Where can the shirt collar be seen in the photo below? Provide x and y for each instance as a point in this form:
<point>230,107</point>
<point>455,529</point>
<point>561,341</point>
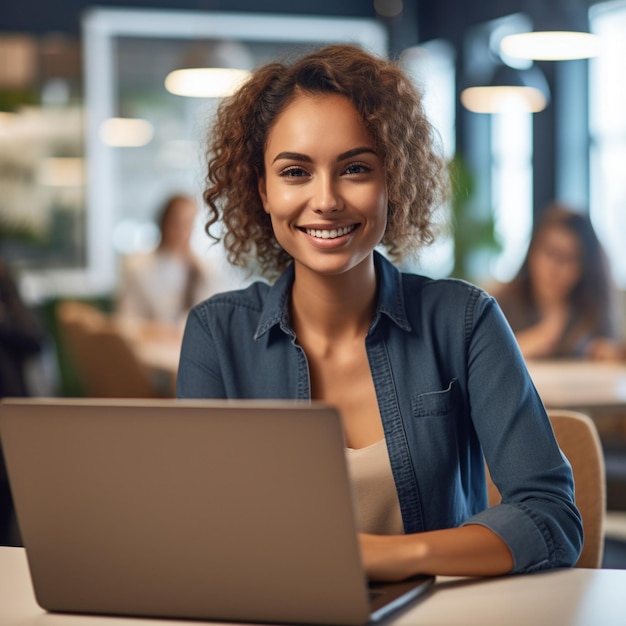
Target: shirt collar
<point>390,299</point>
<point>390,293</point>
<point>276,308</point>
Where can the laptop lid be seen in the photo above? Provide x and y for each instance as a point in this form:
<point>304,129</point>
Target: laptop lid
<point>221,510</point>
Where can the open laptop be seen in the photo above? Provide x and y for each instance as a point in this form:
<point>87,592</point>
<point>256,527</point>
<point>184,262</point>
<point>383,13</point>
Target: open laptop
<point>200,509</point>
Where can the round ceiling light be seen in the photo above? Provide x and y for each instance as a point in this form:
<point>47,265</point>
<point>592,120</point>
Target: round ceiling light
<point>551,45</point>
<point>205,82</point>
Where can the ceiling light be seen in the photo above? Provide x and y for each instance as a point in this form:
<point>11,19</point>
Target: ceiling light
<point>509,88</point>
<point>126,132</point>
<point>388,8</point>
<point>205,82</point>
<point>556,45</point>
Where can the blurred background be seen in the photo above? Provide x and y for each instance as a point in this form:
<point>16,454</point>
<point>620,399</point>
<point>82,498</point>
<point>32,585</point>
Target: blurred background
<point>91,140</point>
<point>99,132</point>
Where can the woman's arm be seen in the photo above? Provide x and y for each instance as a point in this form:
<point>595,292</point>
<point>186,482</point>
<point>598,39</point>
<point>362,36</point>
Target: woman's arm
<point>537,525</point>
<point>471,550</point>
<point>537,517</point>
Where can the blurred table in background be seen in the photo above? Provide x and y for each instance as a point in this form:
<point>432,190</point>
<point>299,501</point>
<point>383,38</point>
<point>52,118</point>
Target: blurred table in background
<point>580,384</point>
<point>160,358</point>
<point>597,388</point>
<point>157,348</point>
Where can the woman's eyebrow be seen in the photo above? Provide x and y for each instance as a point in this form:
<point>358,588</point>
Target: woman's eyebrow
<point>355,152</point>
<point>297,156</point>
<point>292,156</point>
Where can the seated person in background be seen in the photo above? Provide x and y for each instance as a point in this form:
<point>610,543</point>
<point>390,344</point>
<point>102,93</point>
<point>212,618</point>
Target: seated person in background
<point>562,301</point>
<point>21,338</point>
<point>161,286</point>
<point>313,165</point>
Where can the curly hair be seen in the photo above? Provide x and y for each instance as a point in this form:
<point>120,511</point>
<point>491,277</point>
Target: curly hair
<point>392,111</point>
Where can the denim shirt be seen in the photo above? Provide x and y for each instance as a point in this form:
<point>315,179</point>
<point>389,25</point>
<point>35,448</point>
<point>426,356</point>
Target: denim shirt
<point>451,385</point>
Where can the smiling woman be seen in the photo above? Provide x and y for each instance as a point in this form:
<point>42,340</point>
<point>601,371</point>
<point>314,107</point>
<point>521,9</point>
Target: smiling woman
<point>415,187</point>
<point>314,165</point>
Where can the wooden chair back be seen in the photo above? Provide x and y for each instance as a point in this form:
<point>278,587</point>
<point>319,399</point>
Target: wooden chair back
<point>104,358</point>
<point>578,438</point>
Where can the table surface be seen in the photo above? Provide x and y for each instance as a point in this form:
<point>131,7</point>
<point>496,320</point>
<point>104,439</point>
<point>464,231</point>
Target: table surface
<point>579,383</point>
<point>576,597</point>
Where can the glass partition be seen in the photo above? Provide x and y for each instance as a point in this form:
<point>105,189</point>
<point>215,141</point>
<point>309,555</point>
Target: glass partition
<point>158,150</point>
<point>84,174</point>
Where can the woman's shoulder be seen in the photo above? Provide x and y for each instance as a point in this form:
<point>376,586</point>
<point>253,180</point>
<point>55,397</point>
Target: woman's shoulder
<point>445,287</point>
<point>445,302</point>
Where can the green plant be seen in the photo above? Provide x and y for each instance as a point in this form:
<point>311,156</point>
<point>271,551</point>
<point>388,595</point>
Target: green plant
<point>18,231</point>
<point>473,230</point>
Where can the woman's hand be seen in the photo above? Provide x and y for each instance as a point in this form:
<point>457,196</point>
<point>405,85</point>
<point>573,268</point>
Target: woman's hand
<point>471,550</point>
<point>543,338</point>
<point>602,349</point>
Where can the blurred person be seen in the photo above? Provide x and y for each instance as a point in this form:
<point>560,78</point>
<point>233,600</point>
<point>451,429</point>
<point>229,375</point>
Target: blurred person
<point>161,286</point>
<point>21,339</point>
<point>562,301</point>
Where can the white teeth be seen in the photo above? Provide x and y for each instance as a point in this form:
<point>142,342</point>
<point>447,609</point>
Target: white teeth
<point>329,234</point>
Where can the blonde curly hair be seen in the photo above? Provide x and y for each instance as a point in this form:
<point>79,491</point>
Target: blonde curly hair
<point>392,111</point>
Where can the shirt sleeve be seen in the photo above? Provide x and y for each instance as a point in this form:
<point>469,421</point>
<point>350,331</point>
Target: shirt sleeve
<point>537,517</point>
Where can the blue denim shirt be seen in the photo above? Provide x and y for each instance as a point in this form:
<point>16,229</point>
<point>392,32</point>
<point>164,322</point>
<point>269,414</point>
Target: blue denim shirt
<point>451,386</point>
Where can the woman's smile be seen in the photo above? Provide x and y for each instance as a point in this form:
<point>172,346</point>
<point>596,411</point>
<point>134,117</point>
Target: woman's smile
<point>328,237</point>
<point>326,233</point>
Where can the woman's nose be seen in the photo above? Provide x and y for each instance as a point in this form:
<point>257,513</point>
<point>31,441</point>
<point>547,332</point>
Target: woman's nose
<point>326,198</point>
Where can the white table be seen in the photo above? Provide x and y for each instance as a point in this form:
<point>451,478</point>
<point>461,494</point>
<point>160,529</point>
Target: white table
<point>577,597</point>
<point>597,388</point>
<point>580,383</point>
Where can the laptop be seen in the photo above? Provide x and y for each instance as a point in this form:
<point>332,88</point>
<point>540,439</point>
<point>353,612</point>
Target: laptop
<point>200,509</point>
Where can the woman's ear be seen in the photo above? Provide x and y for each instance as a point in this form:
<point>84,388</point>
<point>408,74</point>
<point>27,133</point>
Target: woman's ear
<point>261,186</point>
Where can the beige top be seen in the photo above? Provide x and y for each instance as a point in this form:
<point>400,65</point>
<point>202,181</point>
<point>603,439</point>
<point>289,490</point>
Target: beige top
<point>376,499</point>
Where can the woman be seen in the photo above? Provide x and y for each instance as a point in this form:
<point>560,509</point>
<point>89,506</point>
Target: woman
<point>561,303</point>
<point>313,164</point>
<point>163,285</point>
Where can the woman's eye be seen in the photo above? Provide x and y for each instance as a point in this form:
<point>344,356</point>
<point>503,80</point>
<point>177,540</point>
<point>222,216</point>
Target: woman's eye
<point>294,172</point>
<point>357,168</point>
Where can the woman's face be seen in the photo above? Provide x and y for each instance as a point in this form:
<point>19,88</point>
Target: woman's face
<point>178,225</point>
<point>324,186</point>
<point>555,264</point>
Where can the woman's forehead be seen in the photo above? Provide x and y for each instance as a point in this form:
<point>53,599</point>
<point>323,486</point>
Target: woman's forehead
<point>311,119</point>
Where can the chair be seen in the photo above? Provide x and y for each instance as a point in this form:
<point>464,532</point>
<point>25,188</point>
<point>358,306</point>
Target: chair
<point>74,320</point>
<point>578,438</point>
<point>106,362</point>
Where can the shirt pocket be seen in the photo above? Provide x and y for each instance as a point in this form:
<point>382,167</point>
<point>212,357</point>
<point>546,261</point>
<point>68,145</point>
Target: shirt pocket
<point>436,403</point>
<point>439,445</point>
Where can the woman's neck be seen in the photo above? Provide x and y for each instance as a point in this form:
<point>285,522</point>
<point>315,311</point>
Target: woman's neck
<point>330,306</point>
